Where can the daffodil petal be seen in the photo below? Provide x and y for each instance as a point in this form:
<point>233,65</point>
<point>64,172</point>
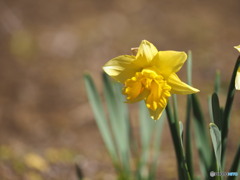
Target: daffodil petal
<point>121,68</point>
<point>140,97</point>
<point>146,53</point>
<point>237,47</point>
<point>237,80</point>
<point>156,114</point>
<point>179,87</point>
<point>169,62</point>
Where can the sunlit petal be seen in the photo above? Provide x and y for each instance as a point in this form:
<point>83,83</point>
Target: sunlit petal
<point>146,53</point>
<point>121,68</point>
<point>169,62</point>
<point>157,113</point>
<point>237,80</point>
<point>140,97</point>
<point>237,47</point>
<point>179,87</point>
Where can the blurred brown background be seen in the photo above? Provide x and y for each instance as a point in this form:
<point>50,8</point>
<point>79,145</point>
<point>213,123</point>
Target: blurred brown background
<point>46,46</point>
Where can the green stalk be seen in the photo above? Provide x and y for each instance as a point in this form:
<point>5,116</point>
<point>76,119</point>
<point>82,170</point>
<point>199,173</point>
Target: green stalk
<point>188,144</point>
<point>188,137</point>
<point>183,173</point>
<point>100,118</point>
<point>202,140</point>
<point>227,110</point>
<point>175,105</point>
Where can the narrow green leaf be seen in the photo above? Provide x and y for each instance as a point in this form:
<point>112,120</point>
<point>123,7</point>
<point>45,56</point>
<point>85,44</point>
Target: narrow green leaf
<point>235,165</point>
<point>210,108</point>
<point>175,107</point>
<point>176,140</point>
<point>146,129</point>
<point>202,141</point>
<point>117,121</point>
<point>217,143</point>
<point>150,130</point>
<point>101,120</point>
<point>158,130</point>
<point>188,143</point>
<point>228,107</point>
<point>146,126</point>
<point>217,114</point>
<point>183,172</point>
<point>180,129</point>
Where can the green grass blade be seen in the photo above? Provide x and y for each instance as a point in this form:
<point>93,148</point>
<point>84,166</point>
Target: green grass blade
<point>117,121</point>
<point>228,107</point>
<point>175,138</point>
<point>146,129</point>
<point>101,120</point>
<point>235,165</point>
<point>125,121</point>
<point>210,109</point>
<point>217,143</point>
<point>202,141</point>
<point>175,107</point>
<point>150,130</point>
<point>146,126</point>
<point>217,114</point>
<point>158,129</point>
<point>181,132</point>
<point>174,129</point>
<point>188,143</point>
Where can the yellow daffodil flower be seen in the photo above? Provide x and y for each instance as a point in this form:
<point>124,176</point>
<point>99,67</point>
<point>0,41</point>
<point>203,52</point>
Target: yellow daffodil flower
<point>237,80</point>
<point>237,47</point>
<point>150,76</point>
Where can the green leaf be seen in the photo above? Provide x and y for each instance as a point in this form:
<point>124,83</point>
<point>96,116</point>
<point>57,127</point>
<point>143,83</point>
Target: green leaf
<point>210,108</point>
<point>183,172</point>
<point>188,143</point>
<point>217,143</point>
<point>180,129</point>
<point>146,129</point>
<point>235,165</point>
<point>101,120</point>
<point>150,130</point>
<point>158,129</point>
<point>146,126</point>
<point>181,132</point>
<point>118,121</point>
<point>217,114</point>
<point>175,107</point>
<point>202,141</point>
<point>228,107</point>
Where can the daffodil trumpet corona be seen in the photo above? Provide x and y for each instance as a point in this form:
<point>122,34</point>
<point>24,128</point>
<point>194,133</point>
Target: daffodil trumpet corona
<point>149,75</point>
<point>237,79</point>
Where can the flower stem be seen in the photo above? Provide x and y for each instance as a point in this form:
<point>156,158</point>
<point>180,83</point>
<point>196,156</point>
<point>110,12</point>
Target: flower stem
<point>183,172</point>
<point>227,110</point>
